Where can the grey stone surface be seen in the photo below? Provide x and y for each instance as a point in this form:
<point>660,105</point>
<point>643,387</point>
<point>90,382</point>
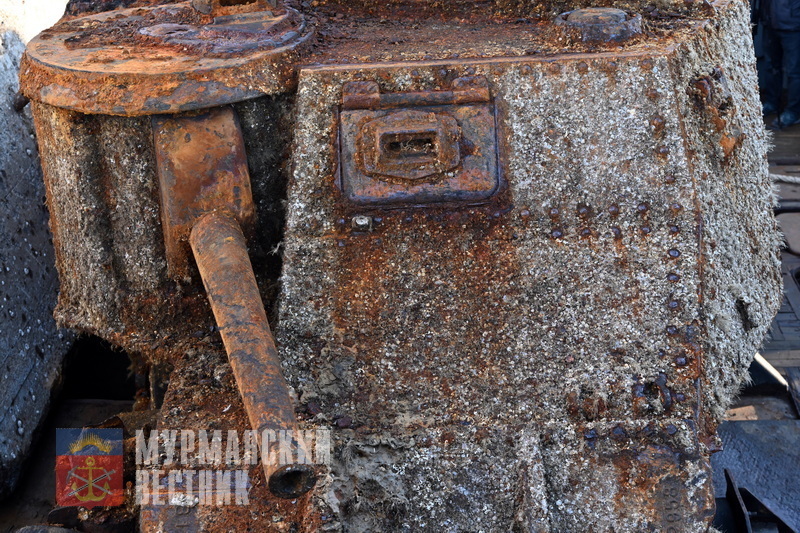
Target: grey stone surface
<point>31,347</point>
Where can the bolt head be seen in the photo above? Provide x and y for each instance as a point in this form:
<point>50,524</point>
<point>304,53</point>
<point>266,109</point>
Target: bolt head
<point>361,223</point>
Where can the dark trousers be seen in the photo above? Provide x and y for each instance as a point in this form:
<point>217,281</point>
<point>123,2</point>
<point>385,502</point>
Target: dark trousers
<point>781,59</point>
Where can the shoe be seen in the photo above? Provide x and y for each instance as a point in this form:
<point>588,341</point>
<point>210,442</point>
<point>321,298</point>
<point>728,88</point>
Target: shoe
<point>788,118</point>
<point>768,109</point>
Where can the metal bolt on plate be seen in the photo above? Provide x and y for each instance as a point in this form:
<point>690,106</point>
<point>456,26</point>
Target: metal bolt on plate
<point>361,223</point>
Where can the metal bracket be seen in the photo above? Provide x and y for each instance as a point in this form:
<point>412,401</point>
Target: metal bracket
<point>418,147</point>
<point>367,95</point>
<point>409,145</point>
<point>205,202</point>
<point>202,167</point>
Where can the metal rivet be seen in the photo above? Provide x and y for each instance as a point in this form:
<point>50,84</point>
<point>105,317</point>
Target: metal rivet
<point>657,122</point>
<point>361,223</point>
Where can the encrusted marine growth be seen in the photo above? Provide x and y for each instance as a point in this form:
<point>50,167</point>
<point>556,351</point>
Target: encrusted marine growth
<point>527,250</point>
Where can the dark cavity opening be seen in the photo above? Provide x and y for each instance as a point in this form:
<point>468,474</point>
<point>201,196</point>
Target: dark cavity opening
<point>227,3</point>
<point>742,309</point>
<point>409,145</point>
<point>93,369</point>
<point>292,481</point>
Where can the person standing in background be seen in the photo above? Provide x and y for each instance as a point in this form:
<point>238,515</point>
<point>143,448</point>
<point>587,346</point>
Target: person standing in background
<point>780,26</point>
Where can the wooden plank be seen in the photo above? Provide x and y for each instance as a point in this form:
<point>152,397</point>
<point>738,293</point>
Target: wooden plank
<point>786,146</point>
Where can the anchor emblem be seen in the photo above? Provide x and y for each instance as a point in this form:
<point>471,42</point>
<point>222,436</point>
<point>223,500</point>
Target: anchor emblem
<point>90,481</point>
<point>89,467</point>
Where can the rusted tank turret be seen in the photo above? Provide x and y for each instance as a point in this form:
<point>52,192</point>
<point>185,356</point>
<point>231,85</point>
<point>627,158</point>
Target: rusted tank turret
<point>527,249</point>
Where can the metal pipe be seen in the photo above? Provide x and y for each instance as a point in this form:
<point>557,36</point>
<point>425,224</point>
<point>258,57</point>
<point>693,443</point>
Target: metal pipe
<point>220,250</point>
<point>787,206</point>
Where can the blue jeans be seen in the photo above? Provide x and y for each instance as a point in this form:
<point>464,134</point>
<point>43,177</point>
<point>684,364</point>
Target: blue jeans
<point>781,59</point>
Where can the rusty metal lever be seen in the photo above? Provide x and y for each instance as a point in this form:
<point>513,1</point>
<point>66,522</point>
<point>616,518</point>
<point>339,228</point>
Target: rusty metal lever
<point>206,199</point>
<point>221,253</point>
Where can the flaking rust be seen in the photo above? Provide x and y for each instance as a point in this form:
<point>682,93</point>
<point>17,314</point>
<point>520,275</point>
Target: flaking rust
<point>202,168</point>
<point>220,249</point>
<point>528,249</point>
<point>205,202</point>
<point>581,311</point>
<point>164,58</point>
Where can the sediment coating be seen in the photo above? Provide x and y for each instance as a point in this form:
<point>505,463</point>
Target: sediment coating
<point>560,354</point>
